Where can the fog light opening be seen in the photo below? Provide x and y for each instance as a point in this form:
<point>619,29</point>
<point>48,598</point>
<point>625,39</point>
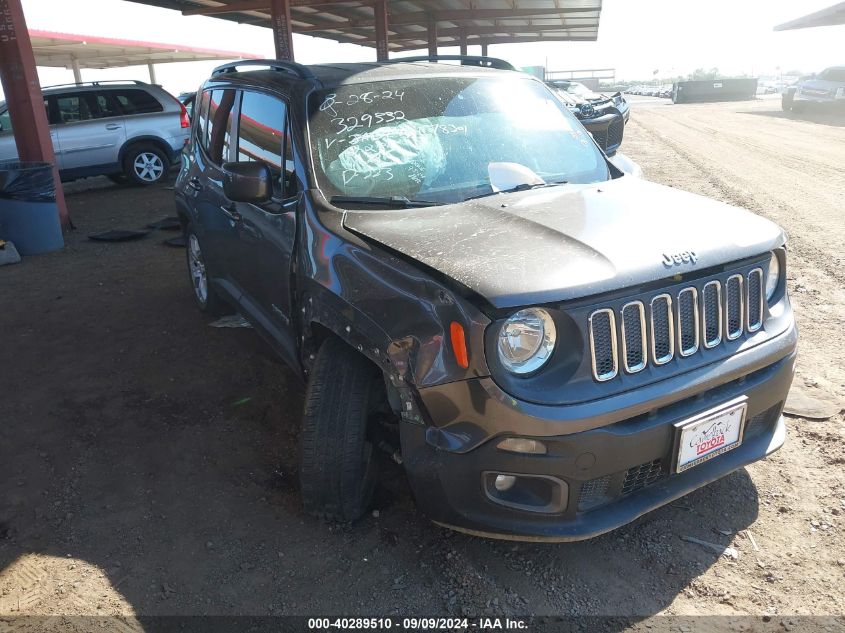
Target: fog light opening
<point>533,493</point>
<point>504,482</point>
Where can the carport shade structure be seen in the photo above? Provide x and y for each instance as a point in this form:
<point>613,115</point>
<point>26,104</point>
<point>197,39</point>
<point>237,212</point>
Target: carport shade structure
<point>77,52</point>
<point>826,17</point>
<point>405,25</point>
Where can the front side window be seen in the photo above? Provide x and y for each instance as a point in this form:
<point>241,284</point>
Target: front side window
<point>5,122</point>
<point>261,134</point>
<point>72,108</point>
<point>443,139</point>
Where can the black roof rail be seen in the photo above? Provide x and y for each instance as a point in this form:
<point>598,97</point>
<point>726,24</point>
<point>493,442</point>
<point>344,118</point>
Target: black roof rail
<point>466,60</point>
<point>298,70</point>
<point>82,84</point>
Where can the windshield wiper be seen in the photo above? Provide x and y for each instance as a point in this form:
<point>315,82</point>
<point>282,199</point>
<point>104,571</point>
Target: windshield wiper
<point>397,202</point>
<point>521,187</point>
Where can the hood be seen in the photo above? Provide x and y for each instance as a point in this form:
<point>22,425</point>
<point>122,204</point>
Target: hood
<point>560,243</point>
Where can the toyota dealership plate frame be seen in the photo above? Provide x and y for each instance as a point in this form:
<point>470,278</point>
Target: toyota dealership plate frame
<point>709,434</point>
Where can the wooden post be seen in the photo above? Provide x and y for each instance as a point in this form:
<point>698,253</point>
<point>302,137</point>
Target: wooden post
<point>152,70</point>
<point>380,10</point>
<point>23,96</point>
<point>77,73</point>
<point>463,41</point>
<point>432,36</point>
<point>282,29</point>
<point>484,49</point>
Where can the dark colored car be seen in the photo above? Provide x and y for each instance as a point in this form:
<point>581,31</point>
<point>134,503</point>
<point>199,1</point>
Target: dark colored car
<point>827,89</point>
<point>550,347</point>
<point>602,119</point>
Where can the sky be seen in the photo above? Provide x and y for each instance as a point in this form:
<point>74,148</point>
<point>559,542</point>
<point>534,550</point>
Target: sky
<point>636,38</point>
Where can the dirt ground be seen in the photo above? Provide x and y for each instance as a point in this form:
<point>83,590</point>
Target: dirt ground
<point>147,460</point>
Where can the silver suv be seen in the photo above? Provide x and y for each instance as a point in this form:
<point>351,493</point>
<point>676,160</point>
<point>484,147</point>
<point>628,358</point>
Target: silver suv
<point>124,130</point>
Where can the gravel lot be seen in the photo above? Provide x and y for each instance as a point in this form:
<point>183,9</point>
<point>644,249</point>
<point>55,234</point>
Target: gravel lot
<point>147,461</point>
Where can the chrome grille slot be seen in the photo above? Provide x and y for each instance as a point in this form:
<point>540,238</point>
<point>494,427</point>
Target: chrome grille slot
<point>754,301</point>
<point>603,344</point>
<point>711,315</point>
<point>688,321</point>
<point>662,330</point>
<point>634,349</point>
<point>733,307</point>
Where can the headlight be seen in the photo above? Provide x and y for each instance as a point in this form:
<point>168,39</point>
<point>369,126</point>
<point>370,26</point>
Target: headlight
<point>772,277</point>
<point>526,341</point>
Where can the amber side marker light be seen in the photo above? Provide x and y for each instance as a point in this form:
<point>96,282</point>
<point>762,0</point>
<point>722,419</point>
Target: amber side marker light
<point>459,344</point>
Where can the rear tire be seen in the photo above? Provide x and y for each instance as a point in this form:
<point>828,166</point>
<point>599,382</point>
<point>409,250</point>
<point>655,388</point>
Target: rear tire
<point>207,300</point>
<point>786,102</point>
<point>145,164</point>
<point>338,469</point>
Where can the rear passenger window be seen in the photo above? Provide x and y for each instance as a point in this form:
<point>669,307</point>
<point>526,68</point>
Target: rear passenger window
<point>135,101</point>
<point>261,134</point>
<point>202,118</point>
<point>107,106</point>
<point>72,108</point>
<point>215,138</point>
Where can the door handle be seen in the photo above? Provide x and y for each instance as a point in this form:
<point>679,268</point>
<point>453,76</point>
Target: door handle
<point>112,126</point>
<point>231,213</point>
<point>194,183</point>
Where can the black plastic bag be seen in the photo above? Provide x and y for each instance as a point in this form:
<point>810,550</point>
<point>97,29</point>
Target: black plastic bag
<point>27,181</point>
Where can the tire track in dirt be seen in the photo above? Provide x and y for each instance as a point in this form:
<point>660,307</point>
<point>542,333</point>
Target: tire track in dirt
<point>798,244</point>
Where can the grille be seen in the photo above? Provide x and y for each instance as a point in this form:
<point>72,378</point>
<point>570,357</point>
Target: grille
<point>711,316</point>
<point>662,334</point>
<point>754,300</point>
<point>615,132</point>
<point>603,344</point>
<point>593,492</point>
<point>673,325</point>
<point>762,421</point>
<point>638,477</point>
<point>733,307</point>
<point>688,321</point>
<point>634,351</point>
<point>601,138</point>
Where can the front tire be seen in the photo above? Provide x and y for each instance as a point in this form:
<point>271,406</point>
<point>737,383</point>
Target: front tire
<point>338,468</point>
<point>786,102</point>
<point>145,164</point>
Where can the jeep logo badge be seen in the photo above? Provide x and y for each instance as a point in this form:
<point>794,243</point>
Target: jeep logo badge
<point>687,257</point>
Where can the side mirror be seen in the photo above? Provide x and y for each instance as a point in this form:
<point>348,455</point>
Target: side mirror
<point>247,182</point>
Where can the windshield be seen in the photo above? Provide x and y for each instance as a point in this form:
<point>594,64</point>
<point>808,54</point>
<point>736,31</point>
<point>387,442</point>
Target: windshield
<point>440,139</point>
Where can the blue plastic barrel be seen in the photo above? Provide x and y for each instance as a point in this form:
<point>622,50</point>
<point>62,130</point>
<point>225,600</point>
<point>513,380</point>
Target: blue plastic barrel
<point>29,216</point>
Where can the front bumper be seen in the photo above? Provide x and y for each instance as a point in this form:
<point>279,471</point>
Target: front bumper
<point>612,473</point>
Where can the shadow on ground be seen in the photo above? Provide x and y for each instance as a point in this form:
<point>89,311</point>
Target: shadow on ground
<point>820,117</point>
<point>139,440</point>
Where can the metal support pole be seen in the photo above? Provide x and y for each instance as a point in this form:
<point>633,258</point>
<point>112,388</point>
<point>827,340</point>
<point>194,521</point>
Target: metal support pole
<point>23,95</point>
<point>282,29</point>
<point>463,42</point>
<point>380,10</point>
<point>484,49</point>
<point>152,68</point>
<point>432,36</point>
<point>77,74</point>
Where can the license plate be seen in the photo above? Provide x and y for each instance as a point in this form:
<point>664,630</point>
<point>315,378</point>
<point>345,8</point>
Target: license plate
<point>710,434</point>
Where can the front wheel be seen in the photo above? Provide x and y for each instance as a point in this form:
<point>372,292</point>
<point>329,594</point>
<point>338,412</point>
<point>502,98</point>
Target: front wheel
<point>786,102</point>
<point>145,164</point>
<point>337,463</point>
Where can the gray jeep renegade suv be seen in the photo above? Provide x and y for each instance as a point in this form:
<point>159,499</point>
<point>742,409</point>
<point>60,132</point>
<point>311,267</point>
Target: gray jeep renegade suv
<point>550,347</point>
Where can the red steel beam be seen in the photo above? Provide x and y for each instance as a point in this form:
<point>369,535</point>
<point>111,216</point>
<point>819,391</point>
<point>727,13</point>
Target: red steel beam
<point>431,32</point>
<point>282,33</point>
<point>380,11</point>
<point>23,96</point>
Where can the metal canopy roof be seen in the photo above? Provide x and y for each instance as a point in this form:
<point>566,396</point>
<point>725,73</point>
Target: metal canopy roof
<point>478,21</point>
<point>825,17</point>
<point>65,49</point>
